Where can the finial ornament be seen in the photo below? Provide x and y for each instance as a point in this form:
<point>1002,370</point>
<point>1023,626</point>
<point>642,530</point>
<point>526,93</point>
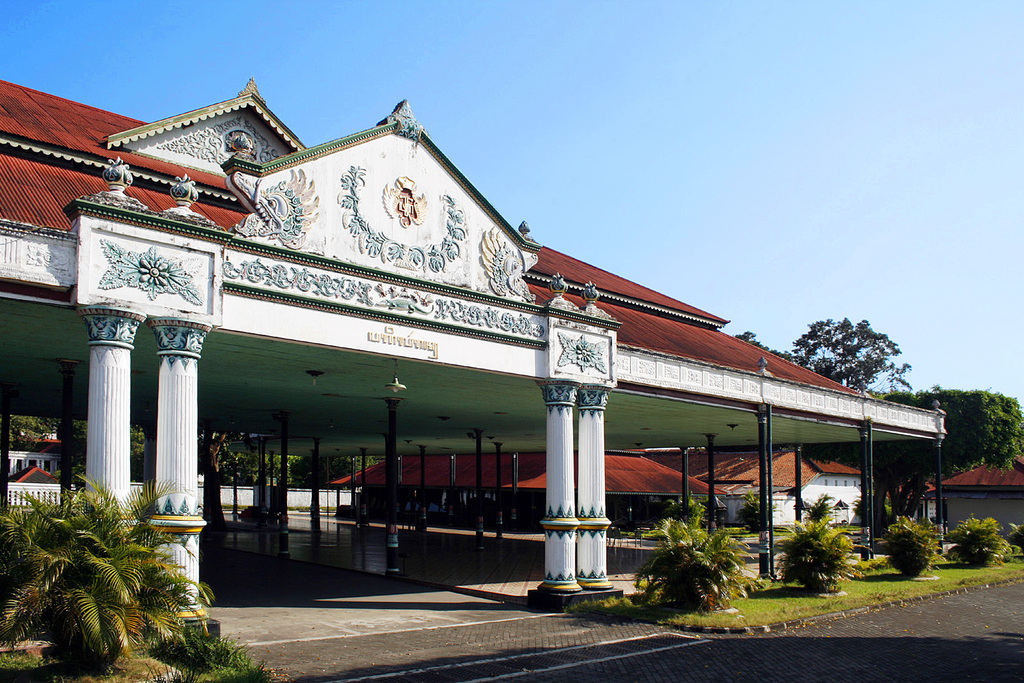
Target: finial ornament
<point>118,175</point>
<point>184,191</point>
<point>558,287</point>
<point>408,126</point>
<point>251,89</point>
<point>590,293</point>
<point>524,230</point>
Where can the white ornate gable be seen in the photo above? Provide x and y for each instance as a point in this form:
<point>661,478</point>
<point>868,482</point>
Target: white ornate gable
<point>386,202</point>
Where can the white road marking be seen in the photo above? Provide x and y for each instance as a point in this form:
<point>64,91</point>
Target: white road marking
<point>403,630</point>
<point>690,640</point>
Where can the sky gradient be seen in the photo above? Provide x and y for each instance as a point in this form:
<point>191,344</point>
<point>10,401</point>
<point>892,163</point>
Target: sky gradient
<point>772,163</point>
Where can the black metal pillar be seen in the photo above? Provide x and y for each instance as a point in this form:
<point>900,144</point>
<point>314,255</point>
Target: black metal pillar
<point>712,501</point>
<point>364,510</point>
<point>684,490</point>
<point>352,507</point>
<point>798,475</point>
<point>771,492</point>
<point>763,565</point>
<point>8,394</point>
<point>314,503</point>
<point>282,486</point>
<point>234,489</point>
<point>421,525</point>
<point>451,491</point>
<point>479,488</point>
<point>875,512</point>
<point>498,521</point>
<point>940,514</point>
<point>391,481</point>
<point>261,482</point>
<point>67,422</point>
<point>865,494</point>
<point>515,491</point>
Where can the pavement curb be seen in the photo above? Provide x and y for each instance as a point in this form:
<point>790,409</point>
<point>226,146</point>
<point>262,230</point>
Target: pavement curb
<point>842,614</point>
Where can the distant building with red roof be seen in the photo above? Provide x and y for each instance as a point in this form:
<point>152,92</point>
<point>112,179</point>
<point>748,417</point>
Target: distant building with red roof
<point>986,492</point>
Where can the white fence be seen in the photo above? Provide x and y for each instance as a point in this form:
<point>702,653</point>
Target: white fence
<point>297,498</point>
<point>17,494</point>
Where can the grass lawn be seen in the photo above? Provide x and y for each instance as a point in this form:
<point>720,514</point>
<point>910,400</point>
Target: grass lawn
<point>28,667</point>
<point>779,602</point>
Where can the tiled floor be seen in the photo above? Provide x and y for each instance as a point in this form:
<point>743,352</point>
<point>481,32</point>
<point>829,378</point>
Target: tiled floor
<point>506,569</point>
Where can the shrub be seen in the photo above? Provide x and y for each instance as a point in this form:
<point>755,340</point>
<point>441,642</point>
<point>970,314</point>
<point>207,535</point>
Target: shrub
<point>818,557</point>
<point>750,512</point>
<point>675,509</point>
<point>820,510</point>
<point>92,573</point>
<point>978,542</point>
<point>195,653</point>
<point>913,546</point>
<point>1016,536</point>
<point>693,567</point>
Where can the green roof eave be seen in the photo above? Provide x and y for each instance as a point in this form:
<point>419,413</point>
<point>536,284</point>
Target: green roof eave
<point>241,102</point>
<point>84,207</point>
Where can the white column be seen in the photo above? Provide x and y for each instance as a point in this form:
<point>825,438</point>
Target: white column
<point>591,548</point>
<point>559,521</point>
<point>179,344</point>
<point>108,444</point>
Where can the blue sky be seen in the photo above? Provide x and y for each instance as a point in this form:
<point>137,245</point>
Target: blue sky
<point>772,163</point>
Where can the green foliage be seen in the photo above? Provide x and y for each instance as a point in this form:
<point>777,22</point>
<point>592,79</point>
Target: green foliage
<point>913,547</point>
<point>820,510</point>
<point>92,573</point>
<point>1016,536</point>
<point>751,338</point>
<point>978,542</point>
<point>195,653</point>
<point>853,355</point>
<point>693,567</point>
<point>818,557</point>
<point>675,510</point>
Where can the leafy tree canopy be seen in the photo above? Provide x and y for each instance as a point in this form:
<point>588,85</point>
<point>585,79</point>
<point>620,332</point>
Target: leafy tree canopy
<point>853,355</point>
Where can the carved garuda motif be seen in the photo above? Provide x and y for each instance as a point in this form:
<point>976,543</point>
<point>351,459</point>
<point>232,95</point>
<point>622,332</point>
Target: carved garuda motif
<point>284,211</point>
<point>401,202</point>
<point>504,266</point>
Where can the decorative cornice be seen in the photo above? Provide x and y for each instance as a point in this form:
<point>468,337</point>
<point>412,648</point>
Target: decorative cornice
<point>343,309</point>
<point>287,161</point>
<point>99,206</point>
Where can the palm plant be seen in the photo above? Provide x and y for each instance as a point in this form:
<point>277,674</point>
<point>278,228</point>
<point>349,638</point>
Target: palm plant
<point>978,542</point>
<point>913,546</point>
<point>818,557</point>
<point>694,567</point>
<point>1016,536</point>
<point>820,509</point>
<point>92,574</point>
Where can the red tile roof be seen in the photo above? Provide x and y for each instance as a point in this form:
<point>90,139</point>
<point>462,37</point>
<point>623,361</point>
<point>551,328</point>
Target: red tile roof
<point>742,468</point>
<point>623,474</point>
<point>989,476</point>
<point>32,475</point>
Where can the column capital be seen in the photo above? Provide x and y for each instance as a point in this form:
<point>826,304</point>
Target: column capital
<point>67,366</point>
<point>592,397</point>
<point>558,392</point>
<point>110,326</point>
<point>178,337</point>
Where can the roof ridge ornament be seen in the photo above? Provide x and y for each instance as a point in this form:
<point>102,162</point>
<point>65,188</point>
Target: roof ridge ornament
<point>408,125</point>
<point>118,175</point>
<point>524,230</point>
<point>185,193</point>
<point>251,89</point>
<point>591,295</point>
<point>558,287</point>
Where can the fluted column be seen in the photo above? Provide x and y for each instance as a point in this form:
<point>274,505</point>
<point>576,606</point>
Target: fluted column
<point>108,445</point>
<point>559,521</point>
<point>179,343</point>
<point>591,548</point>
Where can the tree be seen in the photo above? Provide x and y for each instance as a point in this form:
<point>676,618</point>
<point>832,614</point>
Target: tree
<point>853,355</point>
<point>984,428</point>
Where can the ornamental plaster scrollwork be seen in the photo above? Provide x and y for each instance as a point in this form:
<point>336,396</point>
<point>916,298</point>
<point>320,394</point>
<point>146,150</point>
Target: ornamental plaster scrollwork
<point>504,266</point>
<point>284,211</point>
<point>378,245</point>
<point>581,353</point>
<point>149,271</point>
<point>215,144</point>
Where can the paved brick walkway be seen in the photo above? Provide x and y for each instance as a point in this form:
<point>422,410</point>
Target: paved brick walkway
<point>316,623</point>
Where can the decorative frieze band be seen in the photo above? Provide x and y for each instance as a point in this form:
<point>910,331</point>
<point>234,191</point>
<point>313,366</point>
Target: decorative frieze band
<point>316,283</point>
<point>660,370</point>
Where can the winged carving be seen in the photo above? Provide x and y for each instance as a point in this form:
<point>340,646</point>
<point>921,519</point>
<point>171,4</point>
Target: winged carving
<point>284,211</point>
<point>504,266</point>
<point>401,202</point>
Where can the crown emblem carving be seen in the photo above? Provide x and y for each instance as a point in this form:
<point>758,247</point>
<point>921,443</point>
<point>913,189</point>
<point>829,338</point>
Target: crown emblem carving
<point>401,202</point>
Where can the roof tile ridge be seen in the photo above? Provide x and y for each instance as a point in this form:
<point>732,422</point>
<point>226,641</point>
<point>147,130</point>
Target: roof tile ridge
<point>65,99</point>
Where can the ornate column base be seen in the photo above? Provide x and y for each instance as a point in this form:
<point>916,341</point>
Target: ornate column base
<point>592,568</point>
<point>186,553</point>
<point>559,553</point>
